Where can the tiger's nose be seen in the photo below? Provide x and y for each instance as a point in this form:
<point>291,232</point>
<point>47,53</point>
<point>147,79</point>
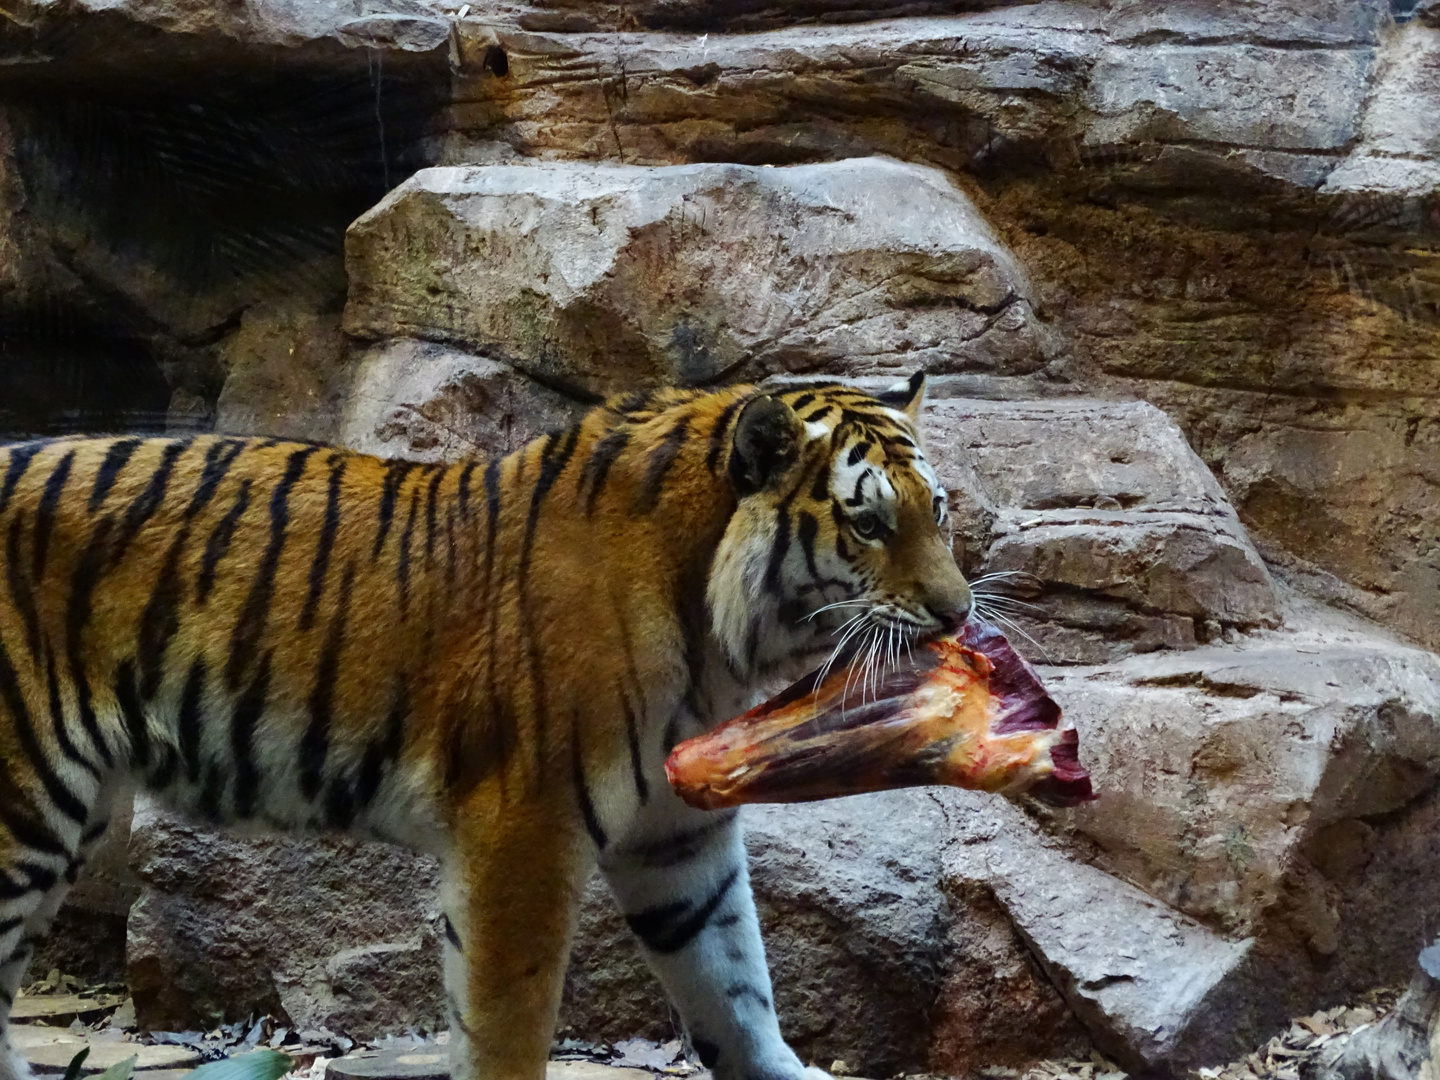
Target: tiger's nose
<point>951,619</point>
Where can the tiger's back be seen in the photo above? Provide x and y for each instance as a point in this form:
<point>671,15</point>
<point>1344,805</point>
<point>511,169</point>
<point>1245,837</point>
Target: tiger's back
<point>152,586</point>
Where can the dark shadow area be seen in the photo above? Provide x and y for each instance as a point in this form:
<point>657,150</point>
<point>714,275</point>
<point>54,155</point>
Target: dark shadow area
<point>61,373</point>
<point>215,180</point>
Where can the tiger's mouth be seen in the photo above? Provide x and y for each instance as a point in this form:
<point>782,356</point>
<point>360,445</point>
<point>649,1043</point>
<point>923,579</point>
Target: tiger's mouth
<point>873,639</point>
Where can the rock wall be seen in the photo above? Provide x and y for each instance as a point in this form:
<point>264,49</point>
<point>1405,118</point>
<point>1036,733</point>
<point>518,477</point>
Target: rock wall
<point>1173,270</point>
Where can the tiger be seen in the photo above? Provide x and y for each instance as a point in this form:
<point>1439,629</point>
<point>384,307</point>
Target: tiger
<point>487,660</point>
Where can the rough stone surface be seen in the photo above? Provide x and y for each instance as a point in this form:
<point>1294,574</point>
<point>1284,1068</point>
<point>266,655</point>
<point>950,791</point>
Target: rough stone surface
<point>327,933</point>
<point>429,402</point>
<point>1122,537</point>
<point>858,931</point>
<point>1263,798</point>
<point>601,278</point>
<point>88,938</point>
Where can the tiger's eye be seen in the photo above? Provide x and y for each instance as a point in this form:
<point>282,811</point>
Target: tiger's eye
<point>868,526</point>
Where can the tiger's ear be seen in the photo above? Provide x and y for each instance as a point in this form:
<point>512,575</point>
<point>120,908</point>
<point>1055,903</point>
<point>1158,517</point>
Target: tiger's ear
<point>766,443</point>
<point>908,396</point>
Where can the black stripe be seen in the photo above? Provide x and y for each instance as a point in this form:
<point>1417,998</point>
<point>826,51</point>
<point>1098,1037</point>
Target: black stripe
<point>133,713</point>
<point>20,458</point>
<point>246,717</point>
<point>818,414</point>
<point>801,401</point>
<point>632,721</point>
<point>430,507</point>
<point>218,460</point>
<point>384,750</point>
<point>464,492</point>
<point>115,459</point>
<point>597,466</point>
<point>15,816</point>
<point>820,490</point>
<point>780,546</point>
<point>212,792</point>
<point>661,459</point>
<point>57,719</point>
<point>65,800</point>
<point>161,619</point>
<point>45,512</point>
<point>12,923</point>
<point>315,743</point>
<point>320,564</point>
<point>554,456</point>
<point>450,934</point>
<point>668,928</point>
<point>42,879</point>
<point>680,847</point>
<point>718,433</point>
<point>582,789</point>
<point>450,552</point>
<point>339,804</point>
<point>807,530</point>
<point>31,834</point>
<point>20,591</point>
<point>402,564</point>
<point>219,543</point>
<point>395,473</point>
<point>163,775</point>
<point>857,454</point>
<point>632,732</point>
<point>747,990</point>
<point>188,719</point>
<point>245,639</point>
<point>93,833</point>
<point>495,728</point>
<point>149,500</point>
<point>77,617</point>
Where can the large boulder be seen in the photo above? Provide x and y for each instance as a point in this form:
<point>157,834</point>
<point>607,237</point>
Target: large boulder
<point>328,933</point>
<point>428,402</point>
<point>865,940</point>
<point>1103,518</point>
<point>1255,851</point>
<point>597,278</point>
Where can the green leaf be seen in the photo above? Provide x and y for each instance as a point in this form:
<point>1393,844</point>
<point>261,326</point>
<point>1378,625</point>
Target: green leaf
<point>121,1070</point>
<point>256,1065</point>
<point>72,1071</point>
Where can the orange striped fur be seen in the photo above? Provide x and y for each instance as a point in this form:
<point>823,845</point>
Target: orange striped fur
<point>486,660</point>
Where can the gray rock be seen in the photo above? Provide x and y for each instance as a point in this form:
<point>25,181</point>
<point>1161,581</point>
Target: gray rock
<point>1254,794</point>
<point>1121,538</point>
<point>1398,151</point>
<point>866,948</point>
<point>328,933</point>
<point>1139,974</point>
<point>428,402</point>
<point>595,278</point>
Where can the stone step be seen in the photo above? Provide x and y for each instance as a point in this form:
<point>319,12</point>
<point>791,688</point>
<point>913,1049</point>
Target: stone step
<point>432,1062</point>
<point>50,1050</point>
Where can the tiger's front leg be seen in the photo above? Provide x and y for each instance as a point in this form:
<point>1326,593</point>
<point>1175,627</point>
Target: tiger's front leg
<point>510,897</point>
<point>681,881</point>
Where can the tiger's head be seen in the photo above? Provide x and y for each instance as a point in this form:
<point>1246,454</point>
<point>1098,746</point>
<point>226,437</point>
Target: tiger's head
<point>839,531</point>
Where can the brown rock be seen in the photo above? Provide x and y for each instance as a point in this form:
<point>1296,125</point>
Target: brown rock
<point>280,364</point>
<point>595,278</point>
